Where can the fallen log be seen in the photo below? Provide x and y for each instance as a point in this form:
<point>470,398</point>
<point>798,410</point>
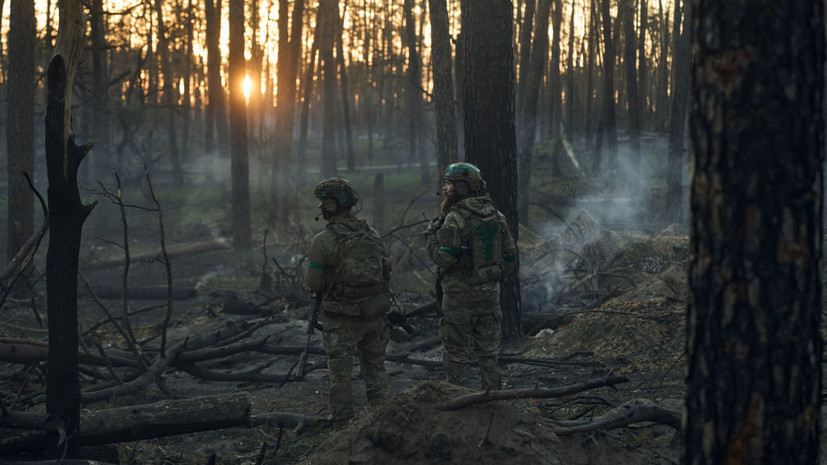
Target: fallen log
<point>173,251</point>
<point>148,421</point>
<point>488,396</point>
<point>29,351</point>
<point>634,411</point>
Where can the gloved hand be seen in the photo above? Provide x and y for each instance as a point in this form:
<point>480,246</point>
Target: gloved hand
<point>434,225</point>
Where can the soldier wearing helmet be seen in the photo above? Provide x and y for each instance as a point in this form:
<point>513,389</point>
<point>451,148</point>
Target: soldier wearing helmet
<point>348,268</point>
<point>472,245</point>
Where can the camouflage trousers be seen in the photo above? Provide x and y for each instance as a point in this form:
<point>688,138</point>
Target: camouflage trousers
<point>471,325</point>
<point>342,337</point>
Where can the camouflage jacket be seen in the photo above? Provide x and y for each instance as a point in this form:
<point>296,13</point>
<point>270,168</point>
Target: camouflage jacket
<point>326,254</point>
<point>445,247</point>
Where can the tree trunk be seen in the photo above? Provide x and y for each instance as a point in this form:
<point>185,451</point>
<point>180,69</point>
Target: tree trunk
<point>609,121</point>
<point>66,217</point>
<point>555,98</point>
<point>102,162</point>
<point>345,92</point>
<point>328,12</point>
<point>170,100</point>
<point>526,30</point>
<point>754,320</point>
<point>680,95</point>
<point>240,207</point>
<point>413,90</point>
<point>643,70</point>
<point>307,82</point>
<point>490,134</point>
<point>213,77</point>
<point>593,53</point>
<point>570,78</point>
<point>189,109</point>
<point>283,184</point>
<point>218,98</point>
<point>528,120</point>
<point>663,71</point>
<point>446,119</point>
<point>632,99</point>
<point>20,130</point>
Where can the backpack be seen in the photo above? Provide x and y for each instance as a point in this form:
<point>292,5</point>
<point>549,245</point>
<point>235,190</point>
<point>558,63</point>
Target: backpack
<point>362,268</point>
<point>481,250</point>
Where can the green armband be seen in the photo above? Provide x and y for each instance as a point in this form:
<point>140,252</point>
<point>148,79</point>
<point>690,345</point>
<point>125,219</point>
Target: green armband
<point>452,251</point>
<point>316,266</point>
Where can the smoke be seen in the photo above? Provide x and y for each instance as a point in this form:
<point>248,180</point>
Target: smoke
<point>575,253</point>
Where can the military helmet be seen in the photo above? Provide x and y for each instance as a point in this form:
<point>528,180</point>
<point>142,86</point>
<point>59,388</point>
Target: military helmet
<point>339,189</point>
<point>466,172</point>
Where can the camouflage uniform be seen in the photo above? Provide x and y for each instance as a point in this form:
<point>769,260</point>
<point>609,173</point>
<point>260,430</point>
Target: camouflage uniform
<point>471,311</point>
<point>344,334</point>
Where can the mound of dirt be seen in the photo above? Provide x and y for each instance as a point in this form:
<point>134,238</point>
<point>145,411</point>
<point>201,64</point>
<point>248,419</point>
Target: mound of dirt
<point>411,428</point>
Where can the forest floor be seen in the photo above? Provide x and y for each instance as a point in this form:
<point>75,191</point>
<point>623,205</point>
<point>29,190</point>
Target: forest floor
<point>614,297</point>
<point>637,333</point>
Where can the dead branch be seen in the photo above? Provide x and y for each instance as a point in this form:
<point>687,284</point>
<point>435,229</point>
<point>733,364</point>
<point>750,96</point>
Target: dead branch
<point>161,364</point>
<point>164,260</point>
<point>488,396</point>
<point>249,375</point>
<point>634,411</point>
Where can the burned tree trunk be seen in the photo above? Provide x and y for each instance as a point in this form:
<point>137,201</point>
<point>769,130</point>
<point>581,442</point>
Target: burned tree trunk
<point>753,325</point>
<point>66,217</point>
<point>490,133</point>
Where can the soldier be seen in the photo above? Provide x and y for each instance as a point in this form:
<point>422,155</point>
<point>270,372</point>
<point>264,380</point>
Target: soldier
<point>472,245</point>
<point>348,268</point>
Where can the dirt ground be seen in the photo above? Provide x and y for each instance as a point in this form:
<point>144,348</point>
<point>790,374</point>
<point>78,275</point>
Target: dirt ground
<point>639,333</point>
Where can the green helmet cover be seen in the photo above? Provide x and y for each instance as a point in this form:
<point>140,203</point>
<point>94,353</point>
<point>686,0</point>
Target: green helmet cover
<point>467,172</point>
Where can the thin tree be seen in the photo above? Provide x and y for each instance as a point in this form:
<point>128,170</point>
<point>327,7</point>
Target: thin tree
<point>66,216</point>
<point>609,121</point>
<point>287,70</point>
<point>526,31</point>
<point>326,22</point>
<point>754,384</point>
<point>677,120</point>
<point>632,99</point>
<point>345,91</point>
<point>413,89</point>
<point>100,77</point>
<point>304,117</point>
<point>571,75</point>
<point>643,69</point>
<point>555,98</point>
<point>490,133</point>
<point>240,208</point>
<point>446,119</point>
<point>170,98</point>
<point>528,119</point>
<point>217,109</point>
<point>20,134</point>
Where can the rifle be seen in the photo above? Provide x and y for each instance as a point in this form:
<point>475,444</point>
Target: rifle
<point>311,325</point>
<point>440,275</point>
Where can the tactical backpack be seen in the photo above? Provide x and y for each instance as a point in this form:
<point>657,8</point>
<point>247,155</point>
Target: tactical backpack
<point>360,286</point>
<point>480,254</point>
